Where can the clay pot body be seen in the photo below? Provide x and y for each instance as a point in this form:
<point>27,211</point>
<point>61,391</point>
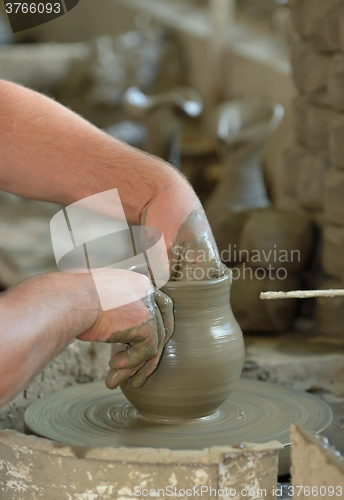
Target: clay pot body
<point>202,361</point>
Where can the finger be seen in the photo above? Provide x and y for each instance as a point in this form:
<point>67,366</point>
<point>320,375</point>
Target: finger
<point>148,368</point>
<point>115,377</point>
<point>144,345</point>
<point>165,304</point>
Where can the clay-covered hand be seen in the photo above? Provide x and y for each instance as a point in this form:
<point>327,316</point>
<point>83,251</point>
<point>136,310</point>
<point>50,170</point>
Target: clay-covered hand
<point>142,327</point>
<point>178,213</point>
<point>194,254</point>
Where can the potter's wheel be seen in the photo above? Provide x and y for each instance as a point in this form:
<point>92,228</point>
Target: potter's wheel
<point>258,412</point>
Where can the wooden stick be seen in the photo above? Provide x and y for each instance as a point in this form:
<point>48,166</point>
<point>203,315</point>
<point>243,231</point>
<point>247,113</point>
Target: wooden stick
<point>301,294</point>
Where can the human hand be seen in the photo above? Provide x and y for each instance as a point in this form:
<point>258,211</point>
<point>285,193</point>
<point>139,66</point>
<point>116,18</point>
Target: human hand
<point>178,213</point>
<point>144,325</point>
<point>194,254</point>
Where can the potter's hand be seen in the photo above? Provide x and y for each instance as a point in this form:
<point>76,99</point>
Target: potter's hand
<point>178,213</point>
<point>194,254</point>
<point>144,325</point>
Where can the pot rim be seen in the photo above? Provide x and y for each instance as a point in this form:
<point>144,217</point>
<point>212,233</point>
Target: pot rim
<point>203,283</point>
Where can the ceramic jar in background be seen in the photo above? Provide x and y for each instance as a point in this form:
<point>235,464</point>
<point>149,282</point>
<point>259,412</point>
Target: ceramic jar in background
<point>203,360</point>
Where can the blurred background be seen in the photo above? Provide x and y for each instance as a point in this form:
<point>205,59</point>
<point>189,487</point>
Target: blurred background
<point>245,97</point>
<point>216,51</point>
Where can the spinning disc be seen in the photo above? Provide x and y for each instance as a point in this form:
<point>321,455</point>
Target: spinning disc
<point>257,412</point>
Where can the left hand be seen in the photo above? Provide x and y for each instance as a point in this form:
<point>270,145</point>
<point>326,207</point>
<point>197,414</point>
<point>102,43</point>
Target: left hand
<point>144,326</point>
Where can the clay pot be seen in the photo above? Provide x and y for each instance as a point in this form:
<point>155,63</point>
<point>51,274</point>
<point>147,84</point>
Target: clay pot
<point>243,129</point>
<point>203,360</point>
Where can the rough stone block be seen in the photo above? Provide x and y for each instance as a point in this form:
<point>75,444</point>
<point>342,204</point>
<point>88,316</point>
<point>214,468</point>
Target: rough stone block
<point>300,14</point>
<point>329,313</point>
<point>35,468</point>
<point>310,68</point>
<point>336,141</point>
<point>292,159</point>
<point>310,180</point>
<point>318,122</point>
<point>333,254</point>
<point>341,29</point>
<point>334,196</point>
<point>320,98</point>
<point>335,82</point>
<point>325,24</point>
<point>254,314</point>
<point>317,468</point>
<point>319,21</point>
<point>312,122</point>
<point>279,239</point>
<point>300,105</point>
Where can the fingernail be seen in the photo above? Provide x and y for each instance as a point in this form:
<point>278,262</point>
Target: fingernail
<point>111,381</point>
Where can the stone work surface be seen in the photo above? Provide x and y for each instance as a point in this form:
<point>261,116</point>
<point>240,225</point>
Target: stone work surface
<point>314,164</point>
<point>35,468</point>
<point>317,468</point>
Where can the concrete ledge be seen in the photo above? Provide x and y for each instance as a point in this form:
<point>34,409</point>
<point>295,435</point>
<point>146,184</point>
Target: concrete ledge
<point>40,468</point>
<point>315,465</point>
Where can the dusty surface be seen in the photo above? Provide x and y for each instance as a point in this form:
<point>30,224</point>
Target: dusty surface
<point>299,360</point>
<point>309,67</point>
<point>37,467</point>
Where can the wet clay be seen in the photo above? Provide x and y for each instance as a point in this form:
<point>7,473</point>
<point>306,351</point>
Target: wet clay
<point>194,255</point>
<point>92,415</point>
<point>184,404</point>
<point>202,361</point>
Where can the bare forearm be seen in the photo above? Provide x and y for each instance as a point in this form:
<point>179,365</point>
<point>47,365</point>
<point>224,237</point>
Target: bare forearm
<point>36,324</point>
<point>48,152</point>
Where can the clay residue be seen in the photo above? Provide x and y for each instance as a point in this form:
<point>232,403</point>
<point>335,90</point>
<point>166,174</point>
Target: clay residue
<point>142,344</point>
<point>194,254</point>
